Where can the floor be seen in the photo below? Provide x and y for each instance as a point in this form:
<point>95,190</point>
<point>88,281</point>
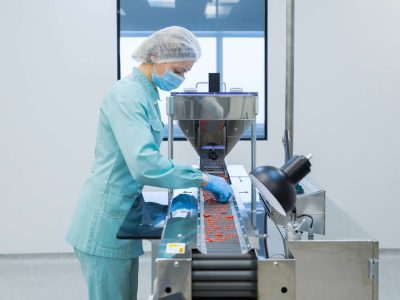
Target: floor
<point>58,277</point>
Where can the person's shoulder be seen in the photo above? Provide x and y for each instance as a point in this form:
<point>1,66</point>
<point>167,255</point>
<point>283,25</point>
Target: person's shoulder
<point>126,89</point>
<point>127,85</point>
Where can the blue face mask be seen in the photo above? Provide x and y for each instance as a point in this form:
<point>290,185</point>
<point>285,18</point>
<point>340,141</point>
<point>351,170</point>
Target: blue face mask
<point>168,81</point>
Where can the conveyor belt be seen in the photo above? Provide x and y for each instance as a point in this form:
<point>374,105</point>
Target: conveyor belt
<point>224,276</point>
<point>223,270</point>
<point>220,232</point>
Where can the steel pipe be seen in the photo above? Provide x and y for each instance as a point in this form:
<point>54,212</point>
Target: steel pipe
<point>253,165</point>
<point>170,139</point>
<point>289,95</point>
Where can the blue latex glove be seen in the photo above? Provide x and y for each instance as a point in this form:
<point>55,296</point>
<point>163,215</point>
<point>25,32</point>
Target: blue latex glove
<point>221,190</point>
<point>182,205</point>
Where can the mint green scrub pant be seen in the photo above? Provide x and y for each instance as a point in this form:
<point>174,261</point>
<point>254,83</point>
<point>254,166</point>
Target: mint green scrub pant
<point>109,278</point>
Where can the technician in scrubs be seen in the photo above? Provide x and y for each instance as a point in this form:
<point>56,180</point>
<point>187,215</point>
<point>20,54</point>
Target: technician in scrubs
<point>127,157</point>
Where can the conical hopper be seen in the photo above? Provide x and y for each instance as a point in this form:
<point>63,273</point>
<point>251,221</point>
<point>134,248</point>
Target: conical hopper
<point>213,132</point>
<point>213,122</point>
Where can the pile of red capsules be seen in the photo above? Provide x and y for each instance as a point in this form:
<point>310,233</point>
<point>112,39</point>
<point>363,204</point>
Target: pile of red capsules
<point>219,223</point>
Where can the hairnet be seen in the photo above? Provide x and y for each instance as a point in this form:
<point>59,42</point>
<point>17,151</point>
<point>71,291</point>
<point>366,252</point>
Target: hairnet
<point>170,44</point>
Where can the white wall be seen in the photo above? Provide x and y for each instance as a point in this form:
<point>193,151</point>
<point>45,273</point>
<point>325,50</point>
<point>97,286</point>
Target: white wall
<point>58,58</point>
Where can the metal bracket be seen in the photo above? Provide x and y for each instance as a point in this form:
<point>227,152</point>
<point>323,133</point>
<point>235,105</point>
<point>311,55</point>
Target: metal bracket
<point>373,268</point>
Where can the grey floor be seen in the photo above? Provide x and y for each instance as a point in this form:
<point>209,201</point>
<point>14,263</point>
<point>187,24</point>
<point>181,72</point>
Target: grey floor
<point>58,277</point>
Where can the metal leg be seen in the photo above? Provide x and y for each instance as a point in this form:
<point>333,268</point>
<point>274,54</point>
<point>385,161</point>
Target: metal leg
<point>154,254</point>
<point>170,139</point>
<point>253,165</point>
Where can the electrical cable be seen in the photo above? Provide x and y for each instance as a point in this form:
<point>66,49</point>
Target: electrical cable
<point>305,215</point>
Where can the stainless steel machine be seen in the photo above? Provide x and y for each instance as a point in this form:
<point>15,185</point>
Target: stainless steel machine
<point>245,249</point>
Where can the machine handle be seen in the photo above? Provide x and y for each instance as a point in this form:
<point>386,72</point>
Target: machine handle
<point>206,82</point>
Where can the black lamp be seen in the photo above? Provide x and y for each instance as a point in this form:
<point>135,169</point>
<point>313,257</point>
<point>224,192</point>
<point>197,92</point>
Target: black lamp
<point>277,186</point>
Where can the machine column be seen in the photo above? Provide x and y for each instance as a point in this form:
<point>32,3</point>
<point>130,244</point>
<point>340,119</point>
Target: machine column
<point>170,138</point>
<point>289,73</point>
<point>253,165</point>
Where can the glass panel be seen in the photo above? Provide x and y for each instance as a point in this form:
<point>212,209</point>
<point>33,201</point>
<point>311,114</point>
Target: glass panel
<point>127,45</point>
<point>244,67</point>
<point>226,29</point>
<point>195,15</point>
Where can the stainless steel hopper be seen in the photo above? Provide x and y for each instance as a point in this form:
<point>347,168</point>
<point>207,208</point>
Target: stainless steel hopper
<point>212,122</point>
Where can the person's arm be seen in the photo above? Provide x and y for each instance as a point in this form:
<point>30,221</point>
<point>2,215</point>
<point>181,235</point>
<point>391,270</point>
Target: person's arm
<point>205,180</point>
<point>131,127</point>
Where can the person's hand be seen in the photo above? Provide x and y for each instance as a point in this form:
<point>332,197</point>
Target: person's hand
<point>221,190</point>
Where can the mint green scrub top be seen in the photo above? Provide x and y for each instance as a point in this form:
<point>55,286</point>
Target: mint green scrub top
<point>127,157</point>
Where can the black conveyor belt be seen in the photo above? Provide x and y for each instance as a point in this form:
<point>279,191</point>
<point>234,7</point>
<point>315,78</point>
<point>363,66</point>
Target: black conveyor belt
<point>230,275</point>
<point>224,264</point>
<point>220,276</point>
<point>225,294</point>
<point>217,256</point>
<point>225,286</point>
<point>224,272</point>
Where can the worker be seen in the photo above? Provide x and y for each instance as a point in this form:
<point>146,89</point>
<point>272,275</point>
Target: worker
<point>127,157</point>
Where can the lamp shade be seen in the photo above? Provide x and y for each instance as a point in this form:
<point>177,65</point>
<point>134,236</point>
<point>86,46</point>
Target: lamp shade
<point>277,185</point>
